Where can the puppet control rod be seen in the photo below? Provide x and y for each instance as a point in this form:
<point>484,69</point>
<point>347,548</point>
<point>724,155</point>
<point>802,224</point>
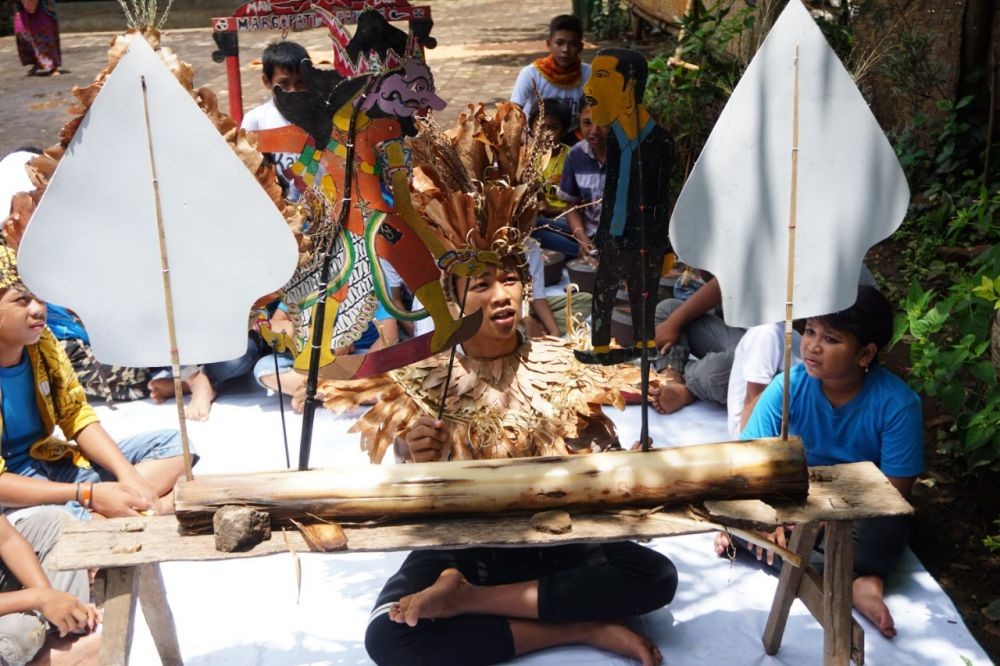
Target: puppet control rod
<point>175,364</point>
<point>312,378</point>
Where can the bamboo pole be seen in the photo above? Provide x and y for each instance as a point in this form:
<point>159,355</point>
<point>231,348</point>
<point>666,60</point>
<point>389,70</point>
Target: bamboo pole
<point>168,298</point>
<point>728,470</point>
<point>790,276</point>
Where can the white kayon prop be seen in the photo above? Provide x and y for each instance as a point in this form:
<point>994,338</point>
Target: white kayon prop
<point>733,216</point>
<point>93,246</point>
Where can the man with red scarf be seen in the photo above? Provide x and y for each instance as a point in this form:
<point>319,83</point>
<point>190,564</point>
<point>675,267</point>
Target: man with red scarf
<point>558,75</point>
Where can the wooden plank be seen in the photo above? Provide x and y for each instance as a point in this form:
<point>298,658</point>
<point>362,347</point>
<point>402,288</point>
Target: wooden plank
<point>119,615</point>
<point>132,541</point>
<point>838,565</point>
<point>749,469</point>
<point>811,595</point>
<point>159,618</point>
<point>802,542</point>
<point>842,492</point>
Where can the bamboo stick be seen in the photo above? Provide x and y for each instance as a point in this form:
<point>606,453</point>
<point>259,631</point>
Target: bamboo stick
<point>790,278</point>
<point>168,298</point>
<point>730,470</point>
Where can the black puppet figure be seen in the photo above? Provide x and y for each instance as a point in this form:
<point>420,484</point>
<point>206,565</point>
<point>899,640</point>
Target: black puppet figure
<point>632,234</point>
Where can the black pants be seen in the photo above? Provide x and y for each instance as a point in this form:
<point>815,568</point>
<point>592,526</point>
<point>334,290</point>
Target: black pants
<point>576,582</point>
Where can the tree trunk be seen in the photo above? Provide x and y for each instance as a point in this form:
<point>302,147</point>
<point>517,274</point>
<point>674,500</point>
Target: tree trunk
<point>768,468</point>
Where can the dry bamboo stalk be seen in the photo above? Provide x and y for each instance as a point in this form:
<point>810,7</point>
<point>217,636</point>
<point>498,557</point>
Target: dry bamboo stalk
<point>790,277</point>
<point>168,298</point>
<point>731,470</point>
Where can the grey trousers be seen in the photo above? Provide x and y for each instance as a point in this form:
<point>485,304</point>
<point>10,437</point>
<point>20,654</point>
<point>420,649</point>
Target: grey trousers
<point>23,634</point>
<point>713,344</point>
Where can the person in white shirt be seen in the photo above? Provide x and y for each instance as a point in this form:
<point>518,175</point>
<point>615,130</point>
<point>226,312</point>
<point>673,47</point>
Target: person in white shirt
<point>758,358</point>
<point>558,75</point>
<point>282,62</point>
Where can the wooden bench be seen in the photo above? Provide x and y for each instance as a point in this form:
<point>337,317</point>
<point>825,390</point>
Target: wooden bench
<point>128,552</point>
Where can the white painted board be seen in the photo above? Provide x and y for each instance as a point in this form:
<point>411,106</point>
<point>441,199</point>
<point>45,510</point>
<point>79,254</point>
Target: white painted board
<point>92,243</point>
<point>732,216</point>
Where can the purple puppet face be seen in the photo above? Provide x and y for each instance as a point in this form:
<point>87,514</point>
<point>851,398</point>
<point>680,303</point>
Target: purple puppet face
<point>403,93</point>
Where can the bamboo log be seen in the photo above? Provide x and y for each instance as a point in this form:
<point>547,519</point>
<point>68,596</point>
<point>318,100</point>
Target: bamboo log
<point>766,468</point>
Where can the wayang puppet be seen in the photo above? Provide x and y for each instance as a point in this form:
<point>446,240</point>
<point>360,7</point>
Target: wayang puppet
<point>632,234</point>
<point>349,127</point>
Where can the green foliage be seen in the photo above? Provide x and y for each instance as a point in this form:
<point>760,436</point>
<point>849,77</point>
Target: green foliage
<point>913,73</point>
<point>949,337</point>
<point>612,21</point>
<point>688,101</point>
<point>992,543</point>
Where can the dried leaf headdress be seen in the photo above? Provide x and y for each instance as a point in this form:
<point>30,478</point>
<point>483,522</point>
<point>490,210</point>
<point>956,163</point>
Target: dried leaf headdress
<point>477,184</point>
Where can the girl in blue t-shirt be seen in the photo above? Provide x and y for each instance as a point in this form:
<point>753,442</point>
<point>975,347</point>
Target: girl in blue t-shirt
<point>846,408</point>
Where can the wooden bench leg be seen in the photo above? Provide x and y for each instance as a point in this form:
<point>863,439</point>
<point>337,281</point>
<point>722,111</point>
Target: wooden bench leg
<point>802,542</point>
<point>838,578</point>
<point>119,585</point>
<point>811,594</point>
<point>159,618</point>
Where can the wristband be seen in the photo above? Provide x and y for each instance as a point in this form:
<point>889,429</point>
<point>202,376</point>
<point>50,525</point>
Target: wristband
<point>87,496</point>
<point>78,492</point>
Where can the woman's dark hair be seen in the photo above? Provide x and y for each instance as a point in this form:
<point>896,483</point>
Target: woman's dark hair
<point>283,55</point>
<point>869,319</point>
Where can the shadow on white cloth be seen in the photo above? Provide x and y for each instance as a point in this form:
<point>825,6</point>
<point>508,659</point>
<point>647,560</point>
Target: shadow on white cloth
<point>246,612</point>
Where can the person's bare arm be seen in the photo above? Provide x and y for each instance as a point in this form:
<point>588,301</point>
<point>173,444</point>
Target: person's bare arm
<point>904,484</point>
<point>579,230</point>
<point>701,302</point>
<point>62,609</point>
<point>753,395</point>
<point>543,313</point>
<point>97,445</point>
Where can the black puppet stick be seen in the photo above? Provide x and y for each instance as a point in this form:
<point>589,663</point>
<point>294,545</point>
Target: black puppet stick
<point>312,378</point>
<point>454,349</point>
<point>643,287</point>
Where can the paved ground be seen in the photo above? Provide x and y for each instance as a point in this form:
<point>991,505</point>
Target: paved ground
<point>482,44</point>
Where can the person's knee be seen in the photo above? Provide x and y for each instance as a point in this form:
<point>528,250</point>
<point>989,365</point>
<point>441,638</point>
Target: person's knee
<point>42,527</point>
<point>391,643</point>
<point>665,308</point>
<point>22,635</point>
<point>663,582</point>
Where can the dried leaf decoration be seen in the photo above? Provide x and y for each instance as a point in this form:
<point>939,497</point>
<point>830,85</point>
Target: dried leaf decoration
<point>535,401</point>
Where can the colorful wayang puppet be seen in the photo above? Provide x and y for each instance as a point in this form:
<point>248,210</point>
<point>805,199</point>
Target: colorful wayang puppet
<point>632,234</point>
<point>349,127</point>
<point>477,187</point>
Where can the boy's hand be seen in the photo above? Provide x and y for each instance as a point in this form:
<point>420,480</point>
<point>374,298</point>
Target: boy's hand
<point>666,335</point>
<point>115,500</point>
<point>138,484</point>
<point>777,536</point>
<point>66,612</point>
<point>426,439</point>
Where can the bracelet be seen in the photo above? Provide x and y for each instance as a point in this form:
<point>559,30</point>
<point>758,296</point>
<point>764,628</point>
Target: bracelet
<point>88,496</point>
<point>78,492</point>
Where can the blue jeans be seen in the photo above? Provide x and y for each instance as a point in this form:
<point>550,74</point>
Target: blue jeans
<point>556,235</point>
<point>265,366</point>
<point>223,371</point>
<point>153,445</point>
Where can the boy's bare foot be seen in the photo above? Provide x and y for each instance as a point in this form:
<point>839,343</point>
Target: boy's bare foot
<point>202,396</point>
<point>616,637</point>
<point>71,650</point>
<point>670,396</point>
<point>163,389</point>
<point>440,600</point>
<point>867,596</point>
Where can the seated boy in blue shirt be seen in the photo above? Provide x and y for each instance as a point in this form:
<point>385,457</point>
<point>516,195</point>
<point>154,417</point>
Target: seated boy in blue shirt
<point>40,391</point>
